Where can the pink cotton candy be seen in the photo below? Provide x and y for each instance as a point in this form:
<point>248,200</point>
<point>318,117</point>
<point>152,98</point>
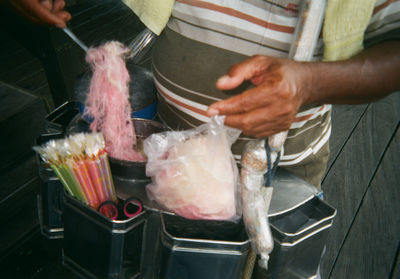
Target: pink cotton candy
<point>197,180</point>
<point>108,100</point>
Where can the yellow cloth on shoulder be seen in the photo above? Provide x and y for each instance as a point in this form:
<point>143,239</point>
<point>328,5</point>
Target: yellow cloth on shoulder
<point>153,13</point>
<point>344,27</point>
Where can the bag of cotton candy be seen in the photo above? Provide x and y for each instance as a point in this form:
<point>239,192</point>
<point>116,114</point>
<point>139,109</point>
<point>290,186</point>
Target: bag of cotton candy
<point>194,173</point>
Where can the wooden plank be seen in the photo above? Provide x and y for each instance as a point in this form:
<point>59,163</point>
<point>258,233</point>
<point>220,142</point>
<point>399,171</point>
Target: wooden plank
<point>350,174</point>
<point>9,47</point>
<point>344,119</point>
<point>396,265</point>
<point>21,122</point>
<point>36,39</point>
<point>28,77</point>
<point>19,216</point>
<point>87,11</point>
<point>19,66</point>
<point>34,83</point>
<point>21,69</point>
<point>371,245</point>
<point>117,24</point>
<point>15,57</point>
<point>13,179</point>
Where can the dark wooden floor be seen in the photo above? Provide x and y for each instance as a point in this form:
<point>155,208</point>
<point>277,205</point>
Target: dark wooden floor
<point>362,181</point>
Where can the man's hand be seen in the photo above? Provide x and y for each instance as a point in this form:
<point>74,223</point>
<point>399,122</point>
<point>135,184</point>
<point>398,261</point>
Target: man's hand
<point>271,106</point>
<point>282,86</point>
<point>46,12</point>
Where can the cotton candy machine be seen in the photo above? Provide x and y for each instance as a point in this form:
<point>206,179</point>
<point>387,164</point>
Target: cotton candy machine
<point>299,221</point>
<point>121,168</point>
<point>143,101</point>
<point>142,93</point>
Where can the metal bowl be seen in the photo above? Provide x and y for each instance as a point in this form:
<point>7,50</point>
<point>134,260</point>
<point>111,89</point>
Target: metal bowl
<point>120,168</point>
<point>136,170</point>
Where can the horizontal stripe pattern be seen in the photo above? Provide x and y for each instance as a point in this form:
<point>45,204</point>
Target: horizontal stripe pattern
<point>291,158</point>
<point>181,117</point>
<point>195,110</point>
<point>387,14</point>
<point>191,94</point>
<point>385,23</point>
<point>308,115</point>
<point>198,111</point>
<point>240,11</point>
<point>226,27</point>
<point>204,37</point>
<point>221,40</point>
<point>382,4</point>
<point>289,8</point>
<point>186,21</point>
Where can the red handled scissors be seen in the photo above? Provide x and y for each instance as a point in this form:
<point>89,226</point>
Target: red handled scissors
<point>131,207</point>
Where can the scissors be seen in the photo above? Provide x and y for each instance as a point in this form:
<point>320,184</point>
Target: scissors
<point>131,207</point>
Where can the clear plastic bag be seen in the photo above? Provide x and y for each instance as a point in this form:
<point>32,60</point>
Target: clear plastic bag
<point>194,173</point>
<point>256,198</point>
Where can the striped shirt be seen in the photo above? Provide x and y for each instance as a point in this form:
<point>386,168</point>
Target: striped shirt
<point>205,37</point>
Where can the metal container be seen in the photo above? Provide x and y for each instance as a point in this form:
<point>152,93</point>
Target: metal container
<point>50,203</point>
<point>136,170</point>
<point>50,199</point>
<point>299,224</point>
<point>97,247</point>
<point>199,249</point>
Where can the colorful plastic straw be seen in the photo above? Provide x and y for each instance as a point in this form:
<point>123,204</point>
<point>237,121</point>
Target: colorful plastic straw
<point>86,184</point>
<point>94,169</point>
<point>106,173</point>
<point>81,164</point>
<point>72,181</point>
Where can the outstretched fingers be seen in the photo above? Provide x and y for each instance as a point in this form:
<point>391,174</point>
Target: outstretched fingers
<point>248,69</point>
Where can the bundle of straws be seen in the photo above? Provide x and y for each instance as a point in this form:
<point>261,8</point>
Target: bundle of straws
<point>81,163</point>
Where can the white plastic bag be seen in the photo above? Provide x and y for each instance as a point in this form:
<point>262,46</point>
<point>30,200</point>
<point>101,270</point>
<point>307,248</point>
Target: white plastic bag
<point>194,173</point>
